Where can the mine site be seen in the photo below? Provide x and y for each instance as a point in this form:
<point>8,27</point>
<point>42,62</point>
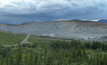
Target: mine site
<point>53,32</point>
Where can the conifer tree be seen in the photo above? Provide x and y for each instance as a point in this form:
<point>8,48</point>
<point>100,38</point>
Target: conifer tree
<point>21,62</point>
<point>70,58</point>
<point>28,62</point>
<point>79,52</point>
<point>105,59</point>
<point>103,47</point>
<point>45,50</point>
<point>97,60</point>
<point>48,59</point>
<point>38,61</point>
<point>60,59</point>
<point>1,61</point>
<point>101,62</point>
<point>19,54</point>
<point>35,59</point>
<point>31,57</point>
<point>92,63</point>
<point>84,53</point>
<point>10,60</point>
<point>5,62</point>
<point>26,58</point>
<point>74,54</point>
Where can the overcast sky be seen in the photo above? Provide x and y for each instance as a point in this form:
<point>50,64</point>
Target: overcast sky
<point>21,11</point>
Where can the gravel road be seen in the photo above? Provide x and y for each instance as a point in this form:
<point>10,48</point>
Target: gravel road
<point>25,40</point>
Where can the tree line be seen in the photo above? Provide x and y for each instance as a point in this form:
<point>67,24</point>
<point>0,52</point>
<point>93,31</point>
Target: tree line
<point>54,53</point>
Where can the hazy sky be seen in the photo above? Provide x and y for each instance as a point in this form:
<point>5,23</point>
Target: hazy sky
<point>21,11</point>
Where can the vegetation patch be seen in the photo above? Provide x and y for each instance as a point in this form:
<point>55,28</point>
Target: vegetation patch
<point>55,53</point>
<point>10,39</point>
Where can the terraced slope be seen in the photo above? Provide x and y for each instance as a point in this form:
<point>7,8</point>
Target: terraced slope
<point>66,29</point>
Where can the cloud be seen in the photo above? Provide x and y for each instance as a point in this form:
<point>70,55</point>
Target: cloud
<point>51,9</point>
<point>48,6</point>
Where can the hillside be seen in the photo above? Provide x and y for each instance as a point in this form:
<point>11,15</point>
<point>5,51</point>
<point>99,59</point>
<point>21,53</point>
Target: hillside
<point>102,21</point>
<point>66,29</point>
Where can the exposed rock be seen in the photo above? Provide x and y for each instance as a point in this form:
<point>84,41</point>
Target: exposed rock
<point>65,29</point>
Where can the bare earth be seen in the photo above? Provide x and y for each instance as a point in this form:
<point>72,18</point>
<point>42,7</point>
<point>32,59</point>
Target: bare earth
<point>79,30</point>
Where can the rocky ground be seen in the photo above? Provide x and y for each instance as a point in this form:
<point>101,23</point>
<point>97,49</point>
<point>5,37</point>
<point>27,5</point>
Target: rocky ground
<point>80,30</point>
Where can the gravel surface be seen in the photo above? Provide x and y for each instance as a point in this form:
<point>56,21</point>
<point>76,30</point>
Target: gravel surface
<point>90,31</point>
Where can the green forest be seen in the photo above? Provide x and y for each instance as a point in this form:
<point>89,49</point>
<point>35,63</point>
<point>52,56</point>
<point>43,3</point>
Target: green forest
<point>56,52</point>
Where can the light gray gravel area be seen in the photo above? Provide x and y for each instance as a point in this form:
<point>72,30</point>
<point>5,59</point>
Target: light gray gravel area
<point>89,31</point>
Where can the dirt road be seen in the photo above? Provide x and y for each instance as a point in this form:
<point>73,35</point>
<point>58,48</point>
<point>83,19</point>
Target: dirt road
<point>25,40</point>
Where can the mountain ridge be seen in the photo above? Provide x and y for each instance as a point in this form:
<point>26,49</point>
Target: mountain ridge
<point>102,21</point>
<point>51,22</point>
<point>99,21</point>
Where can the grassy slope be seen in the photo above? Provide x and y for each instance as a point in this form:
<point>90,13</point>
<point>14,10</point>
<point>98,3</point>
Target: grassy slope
<point>10,39</point>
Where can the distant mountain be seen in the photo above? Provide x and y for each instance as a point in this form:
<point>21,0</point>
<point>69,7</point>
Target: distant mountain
<point>82,20</point>
<point>102,21</point>
<point>5,22</point>
<point>76,19</point>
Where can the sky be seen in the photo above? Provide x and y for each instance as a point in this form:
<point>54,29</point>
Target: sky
<point>23,11</point>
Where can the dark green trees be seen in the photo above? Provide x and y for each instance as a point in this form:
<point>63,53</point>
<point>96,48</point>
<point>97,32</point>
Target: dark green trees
<point>19,54</point>
<point>11,60</point>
